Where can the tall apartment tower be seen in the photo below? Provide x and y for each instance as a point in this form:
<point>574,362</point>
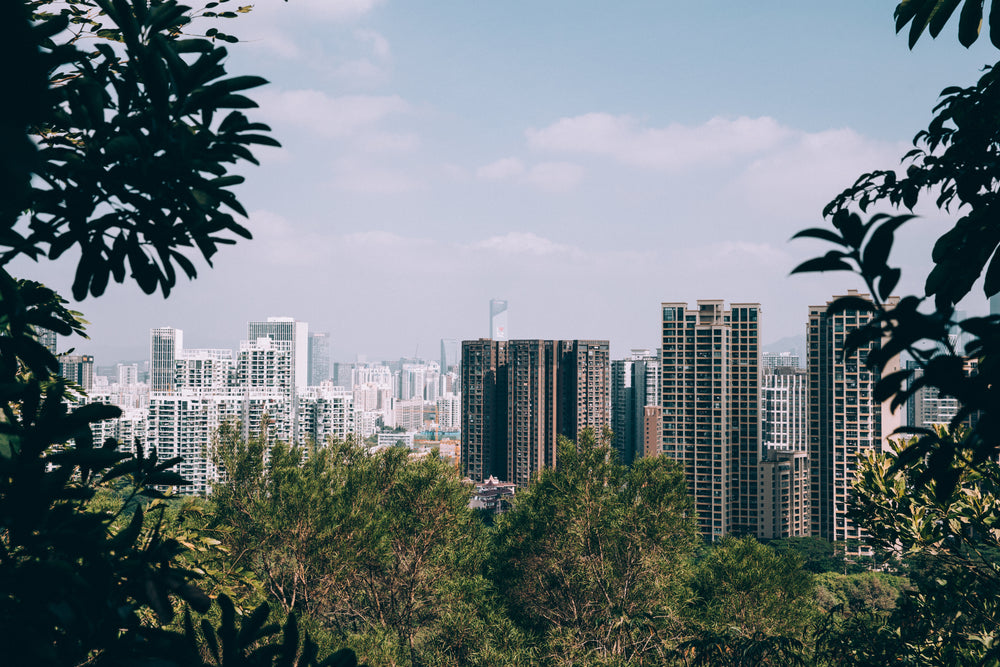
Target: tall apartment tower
<point>635,385</point>
<point>287,330</point>
<point>484,415</point>
<point>164,345</point>
<point>498,319</point>
<point>319,358</point>
<point>78,368</point>
<point>519,396</point>
<point>585,392</point>
<point>845,419</point>
<point>711,409</point>
<point>784,507</point>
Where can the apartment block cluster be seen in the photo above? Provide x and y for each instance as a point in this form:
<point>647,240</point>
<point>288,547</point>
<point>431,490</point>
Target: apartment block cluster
<point>277,384</point>
<point>768,448</point>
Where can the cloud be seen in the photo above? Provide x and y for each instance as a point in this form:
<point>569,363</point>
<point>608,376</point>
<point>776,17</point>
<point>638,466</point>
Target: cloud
<point>378,44</point>
<point>526,243</point>
<point>357,176</point>
<point>326,116</point>
<point>331,10</point>
<point>673,147</point>
<point>555,176</point>
<point>809,170</point>
<point>501,170</point>
<point>549,176</point>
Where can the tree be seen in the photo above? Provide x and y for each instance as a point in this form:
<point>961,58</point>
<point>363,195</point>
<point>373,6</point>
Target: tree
<point>121,151</point>
<point>957,158</point>
<point>379,547</point>
<point>745,590</point>
<point>592,557</point>
<point>951,545</point>
<point>933,497</point>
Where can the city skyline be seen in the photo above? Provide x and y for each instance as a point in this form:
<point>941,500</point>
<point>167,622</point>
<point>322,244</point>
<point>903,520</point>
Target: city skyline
<point>582,162</point>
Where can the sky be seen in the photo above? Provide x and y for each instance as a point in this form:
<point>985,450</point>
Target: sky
<point>584,160</point>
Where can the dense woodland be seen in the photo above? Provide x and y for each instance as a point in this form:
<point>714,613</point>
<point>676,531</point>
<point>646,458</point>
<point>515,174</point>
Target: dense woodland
<point>121,151</point>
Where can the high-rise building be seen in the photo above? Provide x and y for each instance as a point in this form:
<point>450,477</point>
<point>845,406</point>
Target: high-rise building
<point>785,409</point>
<point>635,385</point>
<point>784,507</point>
<point>164,344</point>
<point>484,420</point>
<point>585,387</point>
<point>451,353</point>
<point>519,396</point>
<point>265,377</point>
<point>47,337</point>
<point>533,394</point>
<point>498,319</point>
<point>845,419</point>
<point>78,368</point>
<point>771,360</point>
<point>287,330</point>
<point>319,358</point>
<point>711,409</point>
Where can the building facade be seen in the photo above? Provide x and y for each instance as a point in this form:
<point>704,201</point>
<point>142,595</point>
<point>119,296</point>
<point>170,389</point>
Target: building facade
<point>845,419</point>
<point>519,396</point>
<point>710,365</point>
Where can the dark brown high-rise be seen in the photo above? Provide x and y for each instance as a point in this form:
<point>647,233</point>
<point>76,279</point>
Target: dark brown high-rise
<point>519,396</point>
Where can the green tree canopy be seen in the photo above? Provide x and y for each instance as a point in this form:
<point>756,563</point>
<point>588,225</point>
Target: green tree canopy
<point>593,555</point>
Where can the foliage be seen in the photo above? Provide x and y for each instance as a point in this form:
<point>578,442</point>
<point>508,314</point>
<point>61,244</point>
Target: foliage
<point>933,15</point>
<point>379,547</point>
<point>130,142</point>
<point>953,545</point>
<point>818,555</point>
<point>857,593</point>
<point>958,158</point>
<point>746,594</point>
<point>592,556</point>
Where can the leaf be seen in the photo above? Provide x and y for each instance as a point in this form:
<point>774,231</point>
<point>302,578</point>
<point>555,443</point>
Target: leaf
<point>832,261</point>
<point>969,22</point>
<point>942,12</point>
<point>822,234</point>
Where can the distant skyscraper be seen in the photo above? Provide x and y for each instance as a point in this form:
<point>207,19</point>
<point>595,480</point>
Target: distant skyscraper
<point>319,358</point>
<point>78,368</point>
<point>498,319</point>
<point>287,330</point>
<point>635,385</point>
<point>451,354</point>
<point>711,409</point>
<point>164,345</point>
<point>519,396</point>
<point>845,420</point>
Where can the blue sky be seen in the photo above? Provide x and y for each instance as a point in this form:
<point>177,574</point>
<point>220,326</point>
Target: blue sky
<point>584,160</point>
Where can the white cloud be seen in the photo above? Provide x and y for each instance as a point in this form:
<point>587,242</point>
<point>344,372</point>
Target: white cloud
<point>675,146</point>
<point>363,178</point>
<point>526,243</point>
<point>501,170</point>
<point>809,171</point>
<point>378,44</point>
<point>555,176</point>
<point>388,142</point>
<point>549,176</point>
<point>330,117</point>
<point>331,10</point>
